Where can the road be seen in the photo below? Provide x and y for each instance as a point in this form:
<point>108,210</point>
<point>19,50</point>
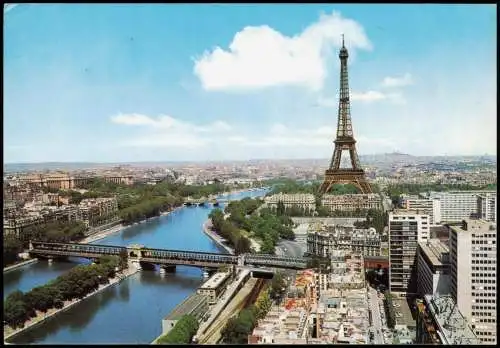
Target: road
<point>292,249</point>
<point>289,248</point>
<point>374,304</point>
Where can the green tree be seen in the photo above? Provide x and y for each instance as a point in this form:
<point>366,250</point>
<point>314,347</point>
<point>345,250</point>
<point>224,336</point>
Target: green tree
<point>182,333</point>
<point>278,286</point>
<point>11,249</point>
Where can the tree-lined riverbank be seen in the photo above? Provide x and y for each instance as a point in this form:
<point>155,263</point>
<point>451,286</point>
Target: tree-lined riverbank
<point>132,312</point>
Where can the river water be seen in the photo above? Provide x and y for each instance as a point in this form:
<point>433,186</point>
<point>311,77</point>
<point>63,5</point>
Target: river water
<point>131,311</point>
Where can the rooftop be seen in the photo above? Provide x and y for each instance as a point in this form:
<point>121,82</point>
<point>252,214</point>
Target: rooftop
<point>186,307</point>
<point>473,225</point>
<point>453,327</point>
<point>215,280</point>
<point>434,250</point>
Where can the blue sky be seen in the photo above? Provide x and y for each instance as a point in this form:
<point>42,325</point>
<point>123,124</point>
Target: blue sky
<point>218,82</point>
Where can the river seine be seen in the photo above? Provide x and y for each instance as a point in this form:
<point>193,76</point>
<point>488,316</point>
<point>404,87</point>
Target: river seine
<point>131,311</point>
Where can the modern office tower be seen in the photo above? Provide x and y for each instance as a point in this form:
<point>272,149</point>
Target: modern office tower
<point>406,229</point>
<point>433,268</point>
<point>473,261</point>
<point>487,206</point>
<point>458,205</point>
<point>428,206</point>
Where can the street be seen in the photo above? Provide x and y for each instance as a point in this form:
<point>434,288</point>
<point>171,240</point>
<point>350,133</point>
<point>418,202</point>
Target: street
<point>377,325</point>
<point>289,248</point>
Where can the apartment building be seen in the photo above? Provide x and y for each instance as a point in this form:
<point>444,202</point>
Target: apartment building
<point>351,202</point>
<point>329,238</point>
<point>63,181</point>
<point>16,225</point>
<point>432,207</point>
<point>93,208</point>
<point>406,229</point>
<point>302,200</point>
<point>456,206</point>
<point>487,206</point>
<point>473,261</point>
<point>433,268</point>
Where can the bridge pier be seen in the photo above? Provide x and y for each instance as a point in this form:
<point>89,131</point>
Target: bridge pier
<point>168,269</point>
<point>50,260</point>
<point>135,264</point>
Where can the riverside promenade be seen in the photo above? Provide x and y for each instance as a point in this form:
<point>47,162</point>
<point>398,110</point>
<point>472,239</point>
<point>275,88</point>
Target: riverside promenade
<point>10,333</point>
<point>207,229</point>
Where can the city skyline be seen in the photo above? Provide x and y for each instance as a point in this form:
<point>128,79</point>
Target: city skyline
<point>216,82</point>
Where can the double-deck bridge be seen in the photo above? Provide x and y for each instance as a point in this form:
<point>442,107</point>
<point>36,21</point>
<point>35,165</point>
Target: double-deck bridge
<point>162,257</point>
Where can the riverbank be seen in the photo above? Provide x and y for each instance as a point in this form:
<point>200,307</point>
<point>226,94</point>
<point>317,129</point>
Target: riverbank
<point>20,264</point>
<point>117,228</point>
<point>207,225</point>
<point>10,333</point>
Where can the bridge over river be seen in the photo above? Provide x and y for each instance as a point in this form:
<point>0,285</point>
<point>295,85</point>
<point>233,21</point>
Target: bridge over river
<point>139,254</point>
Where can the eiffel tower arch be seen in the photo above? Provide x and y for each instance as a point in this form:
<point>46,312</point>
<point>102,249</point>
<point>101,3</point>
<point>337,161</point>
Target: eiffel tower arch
<point>345,140</point>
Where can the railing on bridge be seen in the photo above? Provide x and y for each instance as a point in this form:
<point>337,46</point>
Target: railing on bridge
<point>141,253</point>
<point>275,261</point>
<point>70,249</point>
<point>161,254</point>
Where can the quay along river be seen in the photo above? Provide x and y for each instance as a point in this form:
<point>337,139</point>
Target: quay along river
<point>131,311</point>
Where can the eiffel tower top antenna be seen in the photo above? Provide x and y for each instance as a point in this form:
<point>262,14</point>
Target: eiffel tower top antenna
<point>343,41</point>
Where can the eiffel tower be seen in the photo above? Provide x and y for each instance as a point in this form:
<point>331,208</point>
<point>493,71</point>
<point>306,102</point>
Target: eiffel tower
<point>345,140</point>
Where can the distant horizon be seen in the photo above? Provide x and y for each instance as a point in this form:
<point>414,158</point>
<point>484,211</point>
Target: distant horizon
<point>237,160</point>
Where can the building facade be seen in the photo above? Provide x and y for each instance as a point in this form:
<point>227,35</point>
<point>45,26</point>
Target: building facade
<point>473,261</point>
<point>487,206</point>
<point>322,243</point>
<point>406,229</point>
<point>456,206</point>
<point>351,202</point>
<point>302,200</point>
<point>94,208</point>
<point>214,286</point>
<point>433,268</point>
<point>432,207</point>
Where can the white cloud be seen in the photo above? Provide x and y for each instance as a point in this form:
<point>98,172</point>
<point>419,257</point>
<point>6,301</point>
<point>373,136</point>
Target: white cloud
<point>402,81</point>
<point>260,57</point>
<point>170,132</point>
<point>369,96</point>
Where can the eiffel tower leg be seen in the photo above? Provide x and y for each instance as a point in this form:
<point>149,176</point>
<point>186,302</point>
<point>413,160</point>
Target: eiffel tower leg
<point>325,186</point>
<point>365,187</point>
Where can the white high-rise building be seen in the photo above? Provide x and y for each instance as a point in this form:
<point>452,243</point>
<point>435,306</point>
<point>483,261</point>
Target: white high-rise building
<point>428,206</point>
<point>473,261</point>
<point>456,206</point>
<point>487,206</point>
<point>406,229</point>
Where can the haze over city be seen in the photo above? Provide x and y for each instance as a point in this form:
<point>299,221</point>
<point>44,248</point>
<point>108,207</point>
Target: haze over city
<point>120,83</point>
